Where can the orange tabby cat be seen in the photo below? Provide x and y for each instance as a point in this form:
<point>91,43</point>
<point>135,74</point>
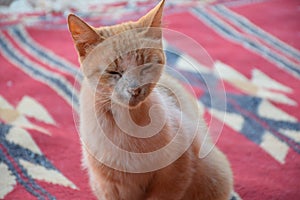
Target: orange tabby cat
<point>122,95</point>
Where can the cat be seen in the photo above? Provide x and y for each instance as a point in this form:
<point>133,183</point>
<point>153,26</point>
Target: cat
<point>120,96</point>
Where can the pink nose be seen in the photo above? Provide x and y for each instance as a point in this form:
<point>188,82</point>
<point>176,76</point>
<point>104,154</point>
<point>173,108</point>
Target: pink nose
<point>134,91</point>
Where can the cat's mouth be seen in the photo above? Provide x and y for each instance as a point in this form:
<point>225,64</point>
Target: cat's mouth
<point>134,97</point>
<point>138,95</point>
<point>136,100</point>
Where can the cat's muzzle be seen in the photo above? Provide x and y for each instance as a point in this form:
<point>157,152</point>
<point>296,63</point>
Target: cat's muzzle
<point>138,94</point>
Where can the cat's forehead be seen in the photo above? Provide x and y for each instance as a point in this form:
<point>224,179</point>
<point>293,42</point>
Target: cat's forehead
<point>109,31</point>
<point>118,54</point>
<point>126,45</point>
<point>130,47</point>
<point>137,58</point>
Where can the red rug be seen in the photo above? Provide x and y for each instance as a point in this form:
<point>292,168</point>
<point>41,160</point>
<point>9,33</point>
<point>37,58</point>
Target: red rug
<point>255,50</point>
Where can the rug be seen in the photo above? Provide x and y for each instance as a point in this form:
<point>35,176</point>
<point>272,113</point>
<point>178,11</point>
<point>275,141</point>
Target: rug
<point>254,54</point>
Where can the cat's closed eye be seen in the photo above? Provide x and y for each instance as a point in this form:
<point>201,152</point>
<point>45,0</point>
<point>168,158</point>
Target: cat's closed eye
<point>114,73</point>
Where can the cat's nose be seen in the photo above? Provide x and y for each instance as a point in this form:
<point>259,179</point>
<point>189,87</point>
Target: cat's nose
<point>134,91</point>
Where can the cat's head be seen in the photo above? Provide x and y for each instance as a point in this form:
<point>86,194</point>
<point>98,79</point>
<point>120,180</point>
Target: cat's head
<point>124,61</point>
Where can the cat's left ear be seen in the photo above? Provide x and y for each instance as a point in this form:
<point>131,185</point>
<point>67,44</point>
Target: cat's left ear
<point>84,35</point>
<point>153,17</point>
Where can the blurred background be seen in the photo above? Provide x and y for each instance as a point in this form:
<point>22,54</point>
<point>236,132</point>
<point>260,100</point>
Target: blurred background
<point>103,12</point>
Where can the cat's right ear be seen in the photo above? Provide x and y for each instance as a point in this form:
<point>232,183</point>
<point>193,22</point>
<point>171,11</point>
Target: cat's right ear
<point>84,36</point>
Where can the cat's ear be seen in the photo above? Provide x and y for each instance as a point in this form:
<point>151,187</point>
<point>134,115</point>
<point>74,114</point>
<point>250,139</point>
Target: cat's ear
<point>84,36</point>
<point>153,17</point>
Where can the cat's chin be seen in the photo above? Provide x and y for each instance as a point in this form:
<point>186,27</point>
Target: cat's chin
<point>135,102</point>
<point>132,104</point>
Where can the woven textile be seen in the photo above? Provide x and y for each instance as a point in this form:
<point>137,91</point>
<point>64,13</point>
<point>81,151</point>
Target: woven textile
<point>255,52</point>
